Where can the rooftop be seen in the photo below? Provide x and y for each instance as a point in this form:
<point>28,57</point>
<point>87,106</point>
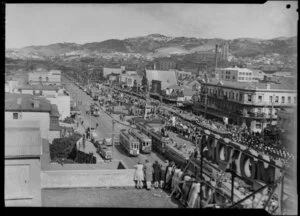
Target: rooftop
<point>39,87</point>
<point>167,78</point>
<point>107,197</point>
<point>54,110</point>
<point>26,103</point>
<point>251,85</point>
<point>237,68</point>
<point>188,92</point>
<point>22,138</point>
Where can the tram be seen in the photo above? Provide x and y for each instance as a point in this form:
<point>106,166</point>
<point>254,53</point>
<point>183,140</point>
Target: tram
<point>145,141</point>
<point>129,143</point>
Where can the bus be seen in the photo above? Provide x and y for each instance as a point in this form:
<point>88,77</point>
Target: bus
<point>145,141</point>
<point>129,143</point>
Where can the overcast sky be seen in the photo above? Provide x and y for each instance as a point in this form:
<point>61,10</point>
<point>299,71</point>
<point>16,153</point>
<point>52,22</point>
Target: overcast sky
<point>43,24</point>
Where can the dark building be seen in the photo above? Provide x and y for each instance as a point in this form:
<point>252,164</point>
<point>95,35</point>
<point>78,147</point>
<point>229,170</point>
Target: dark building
<point>156,87</point>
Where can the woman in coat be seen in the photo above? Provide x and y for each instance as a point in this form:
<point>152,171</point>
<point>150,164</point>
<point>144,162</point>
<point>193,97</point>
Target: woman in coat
<point>139,175</point>
<point>148,169</point>
<point>156,174</point>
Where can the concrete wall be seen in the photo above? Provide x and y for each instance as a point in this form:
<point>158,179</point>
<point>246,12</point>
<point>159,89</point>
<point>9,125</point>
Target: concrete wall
<point>43,117</point>
<point>63,105</point>
<point>22,182</point>
<point>87,178</point>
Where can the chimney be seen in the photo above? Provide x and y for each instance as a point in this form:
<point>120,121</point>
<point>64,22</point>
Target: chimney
<point>216,56</point>
<point>36,103</point>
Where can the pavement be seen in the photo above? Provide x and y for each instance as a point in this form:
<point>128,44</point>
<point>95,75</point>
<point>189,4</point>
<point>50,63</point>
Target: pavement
<point>107,197</point>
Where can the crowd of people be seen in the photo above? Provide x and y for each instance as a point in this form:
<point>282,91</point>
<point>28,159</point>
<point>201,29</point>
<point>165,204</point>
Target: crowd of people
<point>240,135</point>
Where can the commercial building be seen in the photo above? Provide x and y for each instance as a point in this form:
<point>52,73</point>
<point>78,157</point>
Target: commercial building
<point>20,107</point>
<point>55,94</point>
<point>23,150</point>
<point>52,77</point>
<point>130,79</point>
<point>255,104</point>
<point>234,74</point>
<point>167,78</point>
<point>164,64</point>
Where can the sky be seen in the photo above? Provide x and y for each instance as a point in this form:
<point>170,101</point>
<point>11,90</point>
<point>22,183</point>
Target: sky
<point>43,24</point>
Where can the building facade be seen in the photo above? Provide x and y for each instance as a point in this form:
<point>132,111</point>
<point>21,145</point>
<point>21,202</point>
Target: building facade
<point>164,64</point>
<point>29,108</point>
<point>107,71</point>
<point>255,104</point>
<point>52,77</point>
<point>234,74</point>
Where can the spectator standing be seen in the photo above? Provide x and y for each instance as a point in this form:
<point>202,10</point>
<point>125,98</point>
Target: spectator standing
<point>156,174</point>
<point>139,175</point>
<point>148,174</point>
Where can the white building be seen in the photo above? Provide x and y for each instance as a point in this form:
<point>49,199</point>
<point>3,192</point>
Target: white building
<point>28,107</point>
<point>167,78</point>
<point>52,77</point>
<point>256,104</point>
<point>234,74</point>
<point>23,149</point>
<point>129,79</point>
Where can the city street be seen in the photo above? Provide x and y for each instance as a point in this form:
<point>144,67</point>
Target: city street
<point>105,126</point>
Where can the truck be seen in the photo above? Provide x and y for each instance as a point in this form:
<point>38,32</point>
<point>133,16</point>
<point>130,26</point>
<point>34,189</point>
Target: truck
<point>105,151</point>
<point>94,137</point>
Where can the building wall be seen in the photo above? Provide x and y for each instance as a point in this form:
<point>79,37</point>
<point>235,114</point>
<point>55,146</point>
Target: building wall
<point>87,178</point>
<point>43,117</point>
<point>235,75</point>
<point>63,105</point>
<point>22,182</point>
<point>45,78</point>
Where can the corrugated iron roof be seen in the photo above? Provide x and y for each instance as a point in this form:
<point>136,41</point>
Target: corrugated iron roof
<point>22,138</point>
<point>39,87</point>
<point>11,103</point>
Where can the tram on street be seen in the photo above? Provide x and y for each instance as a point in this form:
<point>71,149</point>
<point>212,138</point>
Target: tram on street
<point>145,141</point>
<point>129,143</point>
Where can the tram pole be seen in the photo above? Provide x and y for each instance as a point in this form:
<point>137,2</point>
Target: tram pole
<point>112,139</point>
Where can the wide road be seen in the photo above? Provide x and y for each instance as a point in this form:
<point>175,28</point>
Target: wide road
<point>105,126</point>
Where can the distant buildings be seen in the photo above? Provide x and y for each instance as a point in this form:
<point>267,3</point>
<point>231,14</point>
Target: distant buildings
<point>255,104</point>
<point>234,74</point>
<point>52,77</point>
<point>23,149</point>
<point>167,78</point>
<point>19,107</point>
<point>164,64</point>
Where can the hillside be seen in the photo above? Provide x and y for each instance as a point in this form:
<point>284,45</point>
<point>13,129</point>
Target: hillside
<point>160,45</point>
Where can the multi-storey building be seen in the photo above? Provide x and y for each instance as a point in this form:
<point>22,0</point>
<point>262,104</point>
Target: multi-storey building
<point>164,64</point>
<point>255,104</point>
<point>20,107</point>
<point>52,77</point>
<point>167,78</point>
<point>235,74</point>
<point>130,79</point>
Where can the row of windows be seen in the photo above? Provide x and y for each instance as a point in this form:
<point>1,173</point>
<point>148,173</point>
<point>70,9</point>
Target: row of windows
<point>276,100</point>
<point>245,73</point>
<point>245,78</point>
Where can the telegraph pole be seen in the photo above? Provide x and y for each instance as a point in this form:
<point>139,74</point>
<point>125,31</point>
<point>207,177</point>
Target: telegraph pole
<point>112,139</point>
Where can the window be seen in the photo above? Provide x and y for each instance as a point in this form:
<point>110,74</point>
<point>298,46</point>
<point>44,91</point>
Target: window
<point>276,99</point>
<point>15,115</point>
<point>259,98</point>
<point>295,100</point>
<point>283,99</point>
<point>258,110</point>
<point>289,99</point>
<point>276,110</point>
<point>249,98</point>
<point>270,99</point>
<point>258,125</point>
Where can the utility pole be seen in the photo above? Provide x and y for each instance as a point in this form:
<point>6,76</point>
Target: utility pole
<point>112,139</point>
